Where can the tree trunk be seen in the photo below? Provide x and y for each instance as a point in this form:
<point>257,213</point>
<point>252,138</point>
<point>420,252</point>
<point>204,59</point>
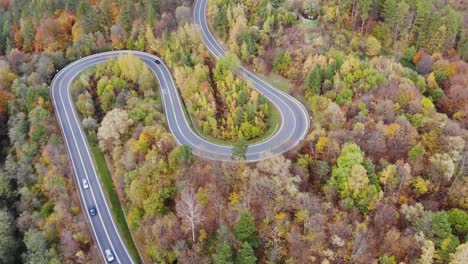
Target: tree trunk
<point>193,231</point>
<point>395,33</point>
<point>353,13</point>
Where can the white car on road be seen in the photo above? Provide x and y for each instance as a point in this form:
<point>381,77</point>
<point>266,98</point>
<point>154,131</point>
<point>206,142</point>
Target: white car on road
<point>109,256</point>
<point>85,184</point>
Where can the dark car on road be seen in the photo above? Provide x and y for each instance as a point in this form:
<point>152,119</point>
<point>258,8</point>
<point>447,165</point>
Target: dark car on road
<point>157,62</point>
<point>92,211</point>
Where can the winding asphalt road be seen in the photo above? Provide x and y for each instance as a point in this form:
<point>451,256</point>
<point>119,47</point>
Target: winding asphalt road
<point>293,128</point>
<point>294,118</point>
<point>105,231</point>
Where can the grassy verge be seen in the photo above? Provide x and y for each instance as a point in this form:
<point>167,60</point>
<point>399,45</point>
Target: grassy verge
<point>116,208</point>
<point>277,81</point>
<point>304,25</point>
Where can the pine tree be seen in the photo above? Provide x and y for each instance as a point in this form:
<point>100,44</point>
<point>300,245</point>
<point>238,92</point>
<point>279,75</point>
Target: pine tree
<point>422,18</point>
<point>105,15</point>
<point>440,225</point>
<point>9,45</point>
<point>240,149</point>
<point>127,15</point>
<point>245,229</point>
<point>454,23</point>
<point>224,254</point>
<point>313,82</point>
<point>141,9</point>
<point>281,62</point>
<point>245,55</point>
<point>389,12</point>
<point>88,18</point>
<point>246,255</point>
<point>28,34</point>
<point>140,43</point>
<point>150,15</point>
<point>402,13</point>
<point>4,31</point>
<point>463,47</point>
<point>221,20</point>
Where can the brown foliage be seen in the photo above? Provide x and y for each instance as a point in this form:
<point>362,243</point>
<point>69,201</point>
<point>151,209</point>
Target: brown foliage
<point>424,65</point>
<point>68,246</point>
<point>167,22</point>
<point>5,97</point>
<point>16,58</point>
<point>385,216</point>
<point>54,33</point>
<point>299,248</point>
<point>5,3</point>
<point>456,95</point>
<point>418,56</point>
<point>16,33</point>
<point>163,232</point>
<point>400,143</point>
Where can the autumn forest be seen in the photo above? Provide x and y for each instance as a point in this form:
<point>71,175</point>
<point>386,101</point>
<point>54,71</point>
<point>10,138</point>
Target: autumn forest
<point>381,177</point>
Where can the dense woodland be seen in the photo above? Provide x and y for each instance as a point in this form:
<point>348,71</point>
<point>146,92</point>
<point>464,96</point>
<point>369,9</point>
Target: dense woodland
<point>381,176</point>
<point>220,105</point>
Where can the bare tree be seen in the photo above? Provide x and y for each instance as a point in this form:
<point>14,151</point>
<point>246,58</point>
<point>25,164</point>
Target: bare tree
<point>190,210</point>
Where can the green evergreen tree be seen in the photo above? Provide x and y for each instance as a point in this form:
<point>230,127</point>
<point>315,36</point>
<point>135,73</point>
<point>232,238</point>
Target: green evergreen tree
<point>402,12</point>
<point>239,149</point>
<point>105,15</point>
<point>245,229</point>
<point>140,11</point>
<point>313,81</point>
<point>389,12</point>
<point>87,17</point>
<point>4,31</point>
<point>28,35</point>
<point>150,15</point>
<point>463,47</point>
<point>223,254</point>
<point>440,225</point>
<point>423,9</point>
<point>453,21</point>
<point>221,22</point>
<point>246,255</point>
<point>126,15</point>
<point>281,62</point>
<point>140,44</point>
<point>370,168</point>
<point>9,45</point>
